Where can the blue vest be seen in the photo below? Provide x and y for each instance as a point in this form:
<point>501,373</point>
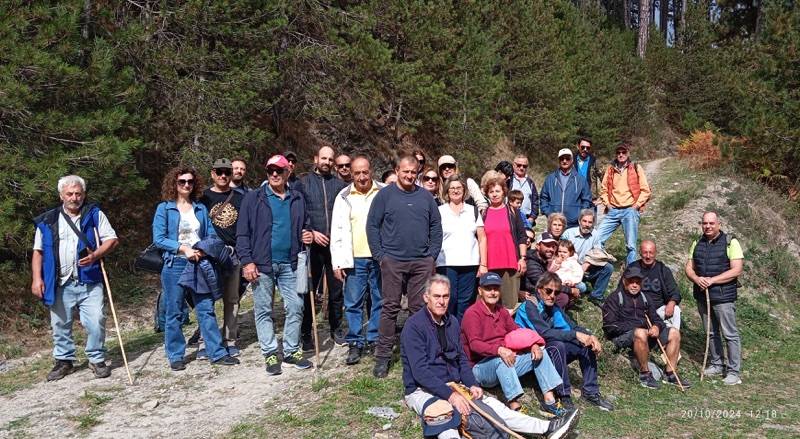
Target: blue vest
<point>47,223</point>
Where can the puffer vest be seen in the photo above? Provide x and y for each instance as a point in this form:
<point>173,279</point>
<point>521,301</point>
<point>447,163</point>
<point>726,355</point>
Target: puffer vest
<point>710,259</point>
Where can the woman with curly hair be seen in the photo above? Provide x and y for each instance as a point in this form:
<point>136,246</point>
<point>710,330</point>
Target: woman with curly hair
<point>180,222</point>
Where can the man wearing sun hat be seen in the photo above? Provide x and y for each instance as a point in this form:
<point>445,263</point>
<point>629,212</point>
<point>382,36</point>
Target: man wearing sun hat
<point>565,191</point>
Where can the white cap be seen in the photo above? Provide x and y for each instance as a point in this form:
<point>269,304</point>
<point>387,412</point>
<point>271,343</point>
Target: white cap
<point>564,151</point>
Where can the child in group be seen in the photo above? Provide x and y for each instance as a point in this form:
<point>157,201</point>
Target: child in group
<point>567,267</point>
<point>515,198</point>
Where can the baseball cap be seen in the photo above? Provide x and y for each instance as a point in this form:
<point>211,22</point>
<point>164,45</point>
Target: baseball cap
<point>623,146</point>
<point>546,238</point>
<point>632,272</point>
<point>489,279</point>
<point>278,161</point>
<point>447,160</point>
<point>564,151</point>
<point>222,163</point>
<point>290,155</point>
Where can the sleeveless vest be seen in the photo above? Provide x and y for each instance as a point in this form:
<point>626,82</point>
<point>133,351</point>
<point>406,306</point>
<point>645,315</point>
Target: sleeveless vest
<point>710,259</point>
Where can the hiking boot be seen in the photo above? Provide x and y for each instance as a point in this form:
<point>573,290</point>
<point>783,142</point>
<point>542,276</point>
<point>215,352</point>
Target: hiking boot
<point>195,338</point>
<point>61,369</point>
<point>226,360</point>
<point>381,369</point>
<point>670,378</point>
<point>561,427</point>
<point>177,365</point>
<point>100,369</point>
<point>353,355</point>
<point>713,371</point>
<point>598,401</point>
<point>273,365</point>
<point>646,380</point>
<point>339,337</point>
<point>233,351</point>
<point>368,349</point>
<point>597,301</point>
<point>308,345</point>
<point>732,379</point>
<point>296,358</point>
<point>202,354</point>
<point>555,409</point>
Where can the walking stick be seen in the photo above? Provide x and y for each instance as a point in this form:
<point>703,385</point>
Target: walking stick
<point>113,311</point>
<point>708,334</point>
<point>664,351</point>
<point>311,292</point>
<point>483,413</point>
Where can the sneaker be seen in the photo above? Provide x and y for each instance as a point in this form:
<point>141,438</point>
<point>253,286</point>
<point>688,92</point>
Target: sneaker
<point>101,370</point>
<point>670,378</point>
<point>226,360</point>
<point>732,379</point>
<point>381,369</point>
<point>202,354</point>
<point>61,369</point>
<point>596,301</point>
<point>308,345</point>
<point>177,365</point>
<point>561,427</point>
<point>713,371</point>
<point>233,351</point>
<point>353,355</point>
<point>297,359</point>
<point>647,380</point>
<point>273,365</point>
<point>339,337</point>
<point>554,410</point>
<point>598,401</point>
<point>566,402</point>
<point>195,338</point>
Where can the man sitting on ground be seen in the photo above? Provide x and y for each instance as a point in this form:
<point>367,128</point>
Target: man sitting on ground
<point>659,285</point>
<point>432,357</point>
<point>626,324</point>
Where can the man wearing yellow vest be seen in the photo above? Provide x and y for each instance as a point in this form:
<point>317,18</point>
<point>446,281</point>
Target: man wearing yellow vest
<point>624,193</point>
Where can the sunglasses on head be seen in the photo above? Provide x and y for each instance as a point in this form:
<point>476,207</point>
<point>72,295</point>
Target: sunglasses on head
<point>187,181</point>
<point>429,178</point>
<point>223,171</point>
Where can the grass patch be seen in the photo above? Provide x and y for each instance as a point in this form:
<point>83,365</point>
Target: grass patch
<point>320,384</point>
<point>677,200</point>
<point>24,376</point>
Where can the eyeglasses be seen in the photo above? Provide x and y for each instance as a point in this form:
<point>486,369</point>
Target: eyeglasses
<point>429,178</point>
<point>273,171</point>
<point>186,182</point>
<point>548,291</point>
<point>520,165</point>
<point>223,171</point>
<point>343,165</point>
<point>455,189</point>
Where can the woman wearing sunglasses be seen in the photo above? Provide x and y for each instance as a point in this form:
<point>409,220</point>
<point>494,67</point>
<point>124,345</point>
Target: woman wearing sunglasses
<point>430,182</point>
<point>180,222</point>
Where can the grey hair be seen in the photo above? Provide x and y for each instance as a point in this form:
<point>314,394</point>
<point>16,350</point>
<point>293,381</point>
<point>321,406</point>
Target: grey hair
<point>437,279</point>
<point>586,212</point>
<point>548,277</point>
<point>71,180</point>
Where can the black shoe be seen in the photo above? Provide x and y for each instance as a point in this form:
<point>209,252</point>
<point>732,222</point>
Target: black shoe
<point>353,355</point>
<point>226,360</point>
<point>381,369</point>
<point>308,345</point>
<point>598,401</point>
<point>195,338</point>
<point>596,301</point>
<point>339,337</point>
<point>646,380</point>
<point>273,365</point>
<point>561,427</point>
<point>368,349</point>
<point>100,369</point>
<point>177,365</point>
<point>669,378</point>
<point>296,358</point>
<point>567,403</point>
<point>61,369</point>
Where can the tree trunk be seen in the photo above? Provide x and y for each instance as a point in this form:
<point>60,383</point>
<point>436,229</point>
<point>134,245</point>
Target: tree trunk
<point>663,19</point>
<point>626,13</point>
<point>759,19</point>
<point>644,28</point>
<point>681,31</point>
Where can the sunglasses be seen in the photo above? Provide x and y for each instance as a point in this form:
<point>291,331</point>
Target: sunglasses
<point>273,171</point>
<point>343,165</point>
<point>548,291</point>
<point>429,178</point>
<point>622,152</point>
<point>186,182</point>
<point>585,147</point>
<point>565,159</point>
<point>520,165</point>
<point>223,171</point>
<point>447,166</point>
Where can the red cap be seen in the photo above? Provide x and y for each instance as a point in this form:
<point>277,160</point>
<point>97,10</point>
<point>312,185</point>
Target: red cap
<point>279,161</point>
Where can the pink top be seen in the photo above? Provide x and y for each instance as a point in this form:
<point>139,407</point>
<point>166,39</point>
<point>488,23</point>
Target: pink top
<point>500,251</point>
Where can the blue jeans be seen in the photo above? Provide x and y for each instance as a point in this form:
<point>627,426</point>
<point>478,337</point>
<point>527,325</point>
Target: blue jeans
<point>286,280</point>
<point>629,219</point>
<point>462,288</point>
<point>174,305</point>
<point>88,298</point>
<point>493,371</point>
<point>365,273</point>
<point>599,277</point>
<point>162,312</point>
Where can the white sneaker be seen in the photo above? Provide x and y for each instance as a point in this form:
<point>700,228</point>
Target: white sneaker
<point>732,380</point>
<point>712,371</point>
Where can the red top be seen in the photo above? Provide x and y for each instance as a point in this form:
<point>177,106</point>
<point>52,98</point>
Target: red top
<point>482,331</point>
<point>500,251</point>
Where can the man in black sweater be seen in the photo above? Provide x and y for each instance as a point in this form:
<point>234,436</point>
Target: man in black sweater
<point>404,231</point>
<point>659,285</point>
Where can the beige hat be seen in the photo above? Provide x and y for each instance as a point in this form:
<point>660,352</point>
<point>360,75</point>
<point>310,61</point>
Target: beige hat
<point>447,160</point>
<point>564,151</point>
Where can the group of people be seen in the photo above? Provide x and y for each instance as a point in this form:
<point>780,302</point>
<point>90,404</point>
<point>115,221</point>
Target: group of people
<point>487,297</point>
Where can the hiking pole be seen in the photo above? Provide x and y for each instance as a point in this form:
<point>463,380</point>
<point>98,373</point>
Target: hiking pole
<point>311,293</point>
<point>113,311</point>
<point>708,334</point>
<point>664,351</point>
<point>482,412</point>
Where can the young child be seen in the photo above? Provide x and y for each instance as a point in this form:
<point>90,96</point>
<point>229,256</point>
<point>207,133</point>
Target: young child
<point>567,267</point>
<point>515,198</point>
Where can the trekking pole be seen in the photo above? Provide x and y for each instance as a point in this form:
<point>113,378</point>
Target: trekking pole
<point>113,311</point>
<point>311,292</point>
<point>708,334</point>
<point>664,351</point>
<point>482,412</point>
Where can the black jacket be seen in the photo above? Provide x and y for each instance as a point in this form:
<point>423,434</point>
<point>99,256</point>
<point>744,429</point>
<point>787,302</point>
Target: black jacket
<point>623,312</point>
<point>658,284</point>
<point>320,192</point>
<point>535,267</point>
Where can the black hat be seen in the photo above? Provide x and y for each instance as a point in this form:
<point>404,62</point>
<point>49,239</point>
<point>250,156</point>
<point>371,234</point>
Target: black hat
<point>632,272</point>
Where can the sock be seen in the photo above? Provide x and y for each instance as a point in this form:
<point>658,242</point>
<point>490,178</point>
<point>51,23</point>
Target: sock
<point>550,401</point>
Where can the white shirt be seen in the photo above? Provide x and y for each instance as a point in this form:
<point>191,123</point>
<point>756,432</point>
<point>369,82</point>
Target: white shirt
<point>68,244</point>
<point>459,241</point>
<point>189,228</point>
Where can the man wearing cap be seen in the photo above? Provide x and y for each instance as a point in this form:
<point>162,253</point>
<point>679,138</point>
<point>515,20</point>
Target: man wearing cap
<point>239,172</point>
<point>659,285</point>
<point>223,204</point>
<point>537,259</point>
<point>565,191</point>
<point>271,229</point>
<point>320,188</point>
<point>631,321</point>
<point>586,164</point>
<point>432,356</point>
<point>343,164</point>
<point>449,167</point>
<point>585,238</point>
<point>352,259</point>
<point>404,231</point>
<point>523,183</point>
<point>293,182</point>
<point>624,193</point>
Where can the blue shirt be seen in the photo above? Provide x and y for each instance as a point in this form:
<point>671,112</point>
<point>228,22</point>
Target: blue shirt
<point>582,166</point>
<point>281,227</point>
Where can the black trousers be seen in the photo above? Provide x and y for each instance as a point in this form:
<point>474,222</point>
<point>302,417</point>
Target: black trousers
<point>321,263</point>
